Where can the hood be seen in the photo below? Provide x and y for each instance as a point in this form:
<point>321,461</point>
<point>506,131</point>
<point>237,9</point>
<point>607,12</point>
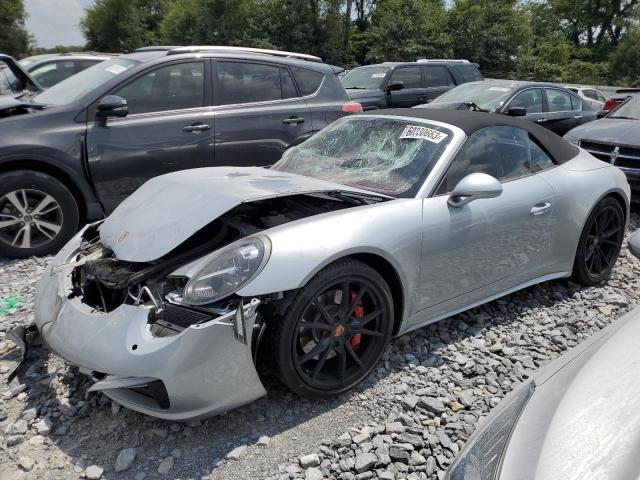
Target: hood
<point>444,106</point>
<point>582,420</point>
<point>9,103</point>
<point>619,131</point>
<point>27,80</point>
<point>167,210</point>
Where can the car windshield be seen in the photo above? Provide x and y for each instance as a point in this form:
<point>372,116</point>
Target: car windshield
<point>383,154</point>
<point>75,87</point>
<point>484,94</point>
<point>630,109</point>
<point>365,78</point>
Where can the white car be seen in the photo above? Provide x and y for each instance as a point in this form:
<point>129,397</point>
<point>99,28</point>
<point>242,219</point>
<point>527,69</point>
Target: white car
<point>592,96</point>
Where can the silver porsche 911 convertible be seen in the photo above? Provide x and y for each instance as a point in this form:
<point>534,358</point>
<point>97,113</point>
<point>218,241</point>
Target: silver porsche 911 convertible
<point>379,224</point>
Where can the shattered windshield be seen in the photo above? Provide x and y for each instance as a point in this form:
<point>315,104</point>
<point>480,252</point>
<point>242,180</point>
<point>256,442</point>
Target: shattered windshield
<point>630,109</point>
<point>369,78</point>
<point>384,154</point>
<point>483,94</point>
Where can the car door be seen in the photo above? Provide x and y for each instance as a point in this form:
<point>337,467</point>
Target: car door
<point>437,80</point>
<point>411,77</point>
<point>259,112</point>
<point>563,110</point>
<point>469,251</point>
<point>532,100</point>
<point>169,127</point>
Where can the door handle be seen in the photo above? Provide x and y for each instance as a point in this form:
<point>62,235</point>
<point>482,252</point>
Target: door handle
<point>293,120</point>
<point>540,208</point>
<point>577,117</point>
<point>196,127</point>
<point>542,120</point>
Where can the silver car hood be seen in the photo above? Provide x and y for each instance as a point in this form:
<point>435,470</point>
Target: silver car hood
<point>582,421</point>
<point>169,209</point>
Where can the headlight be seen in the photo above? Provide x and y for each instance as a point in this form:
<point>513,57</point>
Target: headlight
<point>227,270</point>
<point>482,456</point>
<point>572,140</point>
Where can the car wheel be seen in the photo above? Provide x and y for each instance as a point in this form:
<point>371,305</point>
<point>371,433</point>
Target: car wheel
<point>38,214</point>
<point>599,243</point>
<point>334,331</point>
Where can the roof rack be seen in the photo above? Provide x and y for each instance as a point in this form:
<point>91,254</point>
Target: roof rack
<point>157,48</point>
<point>216,48</point>
<point>450,60</point>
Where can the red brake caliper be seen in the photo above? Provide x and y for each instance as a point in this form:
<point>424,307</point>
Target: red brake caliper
<point>358,312</point>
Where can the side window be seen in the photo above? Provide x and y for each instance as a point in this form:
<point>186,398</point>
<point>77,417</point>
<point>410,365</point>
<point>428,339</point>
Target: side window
<point>288,87</point>
<point>84,64</point>
<point>49,74</point>
<point>8,81</point>
<point>437,76</point>
<point>530,99</point>
<point>576,103</point>
<point>502,152</point>
<point>600,97</point>
<point>242,82</point>
<point>468,73</point>
<point>558,100</point>
<point>308,80</point>
<point>173,87</point>
<point>539,160</point>
<point>410,76</point>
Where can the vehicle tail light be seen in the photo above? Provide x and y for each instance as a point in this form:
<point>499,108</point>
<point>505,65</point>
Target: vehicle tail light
<point>610,104</point>
<point>351,107</point>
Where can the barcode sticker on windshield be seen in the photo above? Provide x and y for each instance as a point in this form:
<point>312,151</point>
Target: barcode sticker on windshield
<point>414,131</point>
<point>378,75</point>
<point>498,89</point>
<point>116,69</point>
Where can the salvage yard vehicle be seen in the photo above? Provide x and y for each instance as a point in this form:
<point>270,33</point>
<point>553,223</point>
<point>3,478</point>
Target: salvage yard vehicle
<point>553,107</point>
<point>575,418</point>
<point>615,139</point>
<point>405,84</point>
<point>72,153</point>
<point>379,224</point>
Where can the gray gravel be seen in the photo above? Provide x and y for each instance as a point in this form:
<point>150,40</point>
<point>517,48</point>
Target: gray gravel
<point>407,421</point>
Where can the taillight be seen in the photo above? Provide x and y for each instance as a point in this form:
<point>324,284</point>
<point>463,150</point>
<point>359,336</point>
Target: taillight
<point>351,107</point>
<point>610,104</point>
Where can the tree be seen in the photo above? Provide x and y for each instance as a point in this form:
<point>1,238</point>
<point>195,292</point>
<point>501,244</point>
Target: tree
<point>14,39</point>
<point>123,25</point>
<point>405,30</point>
<point>624,65</point>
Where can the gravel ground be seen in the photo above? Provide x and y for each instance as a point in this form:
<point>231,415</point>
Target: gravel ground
<point>408,420</point>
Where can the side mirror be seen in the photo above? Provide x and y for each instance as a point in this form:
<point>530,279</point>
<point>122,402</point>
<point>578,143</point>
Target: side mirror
<point>517,112</point>
<point>395,85</point>
<point>473,187</point>
<point>112,106</point>
<point>634,244</point>
<point>601,113</point>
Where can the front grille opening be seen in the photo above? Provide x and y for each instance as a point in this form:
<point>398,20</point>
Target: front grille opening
<point>155,391</point>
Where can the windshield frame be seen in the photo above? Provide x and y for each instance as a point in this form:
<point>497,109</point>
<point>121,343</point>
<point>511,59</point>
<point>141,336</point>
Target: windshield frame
<point>387,69</point>
<point>513,89</point>
<point>432,178</point>
<point>635,101</point>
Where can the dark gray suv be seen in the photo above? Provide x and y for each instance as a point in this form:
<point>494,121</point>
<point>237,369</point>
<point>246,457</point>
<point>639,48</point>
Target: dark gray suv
<point>406,84</point>
<point>75,151</point>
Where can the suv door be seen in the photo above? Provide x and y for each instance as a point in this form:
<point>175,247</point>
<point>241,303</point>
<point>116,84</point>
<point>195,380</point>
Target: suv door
<point>259,112</point>
<point>411,77</point>
<point>533,100</point>
<point>563,110</point>
<point>468,250</point>
<point>437,80</point>
<point>169,127</point>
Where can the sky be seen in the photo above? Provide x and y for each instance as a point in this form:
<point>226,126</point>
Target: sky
<point>56,22</point>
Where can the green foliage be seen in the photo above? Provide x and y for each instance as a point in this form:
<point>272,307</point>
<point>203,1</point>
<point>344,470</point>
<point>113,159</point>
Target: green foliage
<point>624,66</point>
<point>14,39</point>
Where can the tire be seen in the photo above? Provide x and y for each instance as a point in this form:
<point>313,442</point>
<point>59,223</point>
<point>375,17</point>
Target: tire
<point>348,337</point>
<point>38,214</point>
<point>599,243</point>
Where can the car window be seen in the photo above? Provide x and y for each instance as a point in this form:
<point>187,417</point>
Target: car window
<point>84,64</point>
<point>487,95</point>
<point>9,83</point>
<point>590,94</point>
<point>243,82</point>
<point>364,78</point>
<point>600,97</point>
<point>503,152</point>
<point>410,76</point>
<point>531,99</point>
<point>576,103</point>
<point>308,81</point>
<point>468,72</point>
<point>51,73</point>
<point>172,87</point>
<point>436,76</point>
<point>558,101</point>
<point>288,87</point>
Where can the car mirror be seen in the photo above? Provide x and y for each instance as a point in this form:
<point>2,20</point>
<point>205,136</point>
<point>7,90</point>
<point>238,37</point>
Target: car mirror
<point>395,85</point>
<point>517,112</point>
<point>473,187</point>
<point>112,106</point>
<point>634,244</point>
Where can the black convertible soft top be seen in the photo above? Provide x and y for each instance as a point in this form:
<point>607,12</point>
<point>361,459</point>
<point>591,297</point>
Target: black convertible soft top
<point>470,122</point>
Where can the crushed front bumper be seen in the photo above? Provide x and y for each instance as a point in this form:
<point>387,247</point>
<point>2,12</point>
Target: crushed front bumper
<point>204,370</point>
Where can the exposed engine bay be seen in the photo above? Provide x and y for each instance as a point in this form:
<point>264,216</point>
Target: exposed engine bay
<point>103,282</point>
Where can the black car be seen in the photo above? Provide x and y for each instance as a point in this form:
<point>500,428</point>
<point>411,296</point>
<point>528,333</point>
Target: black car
<point>73,152</point>
<point>405,84</point>
<point>615,139</point>
<point>14,80</point>
<point>553,107</point>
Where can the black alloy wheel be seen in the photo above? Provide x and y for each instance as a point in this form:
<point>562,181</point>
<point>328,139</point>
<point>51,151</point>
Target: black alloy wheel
<point>335,330</point>
<point>600,243</point>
